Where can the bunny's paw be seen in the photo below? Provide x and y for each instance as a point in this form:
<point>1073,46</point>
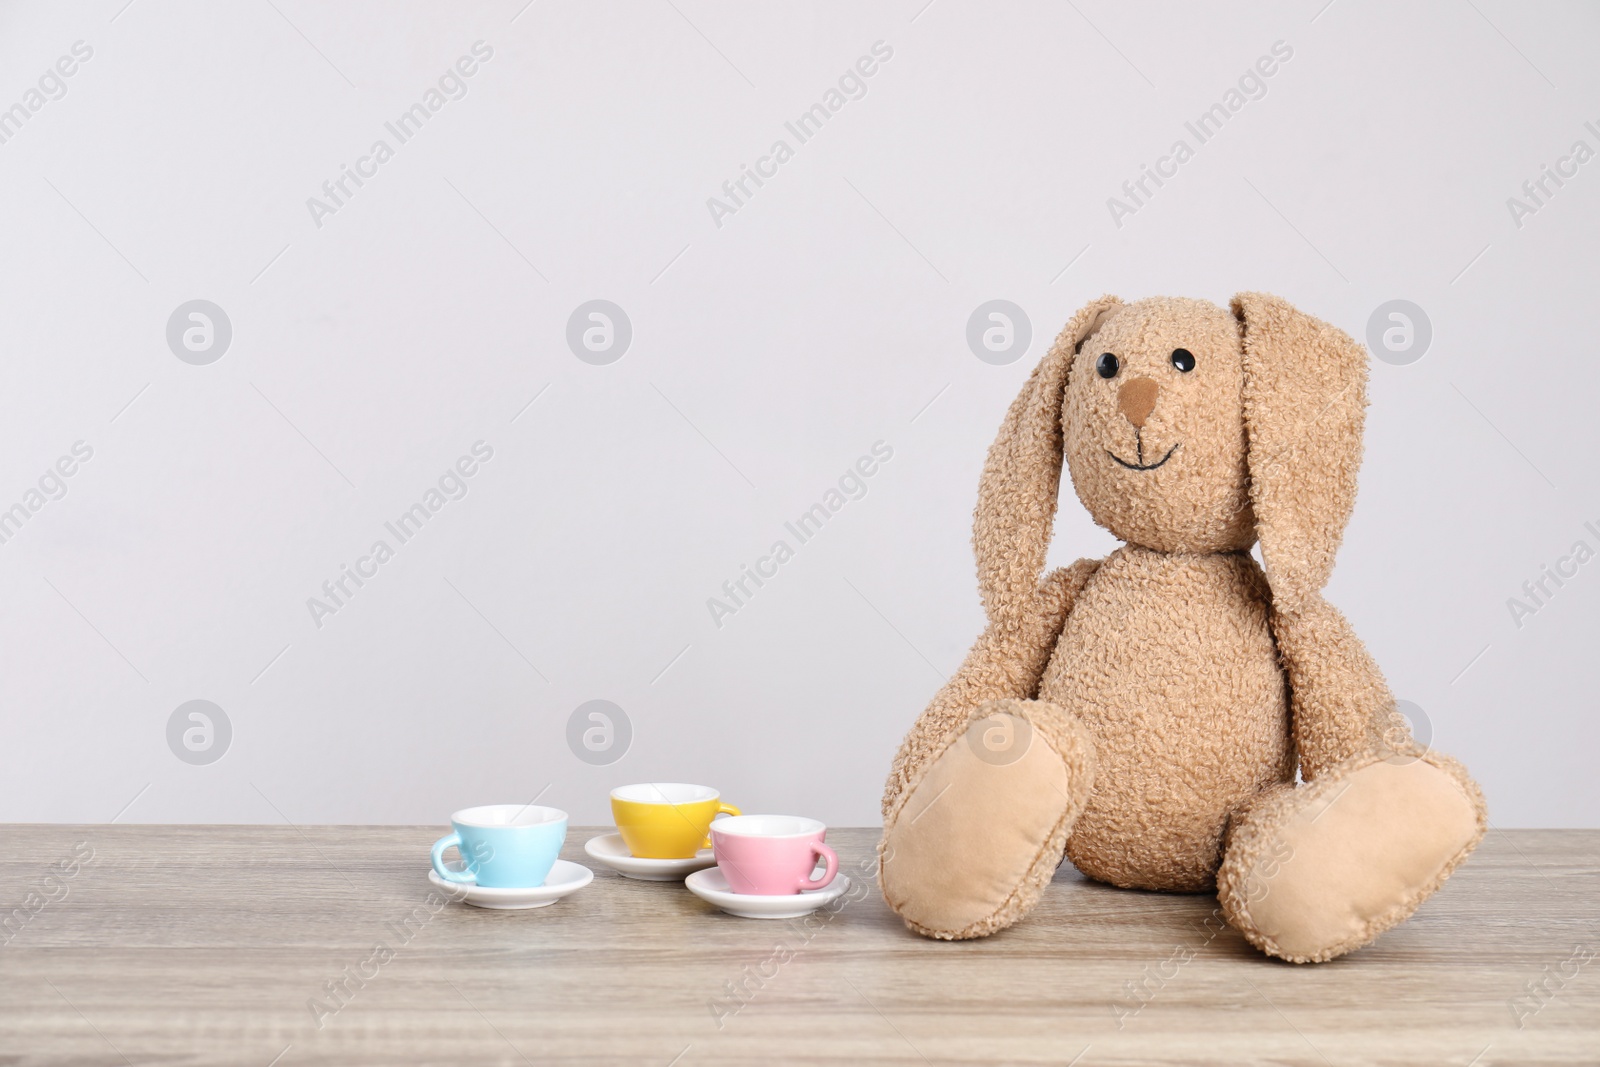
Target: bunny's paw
<point>1311,873</point>
<point>973,842</point>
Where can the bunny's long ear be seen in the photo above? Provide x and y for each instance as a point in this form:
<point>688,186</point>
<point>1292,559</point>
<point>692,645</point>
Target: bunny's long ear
<point>1304,404</point>
<point>1022,476</point>
<point>1305,387</point>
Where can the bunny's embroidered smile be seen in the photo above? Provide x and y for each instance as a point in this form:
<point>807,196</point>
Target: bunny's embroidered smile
<point>1143,466</point>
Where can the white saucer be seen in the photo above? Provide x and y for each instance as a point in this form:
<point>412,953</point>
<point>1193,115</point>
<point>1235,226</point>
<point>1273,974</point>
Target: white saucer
<point>712,886</point>
<point>564,878</point>
<point>609,850</point>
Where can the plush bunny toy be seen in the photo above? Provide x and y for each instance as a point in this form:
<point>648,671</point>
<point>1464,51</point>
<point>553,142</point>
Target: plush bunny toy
<point>1145,713</point>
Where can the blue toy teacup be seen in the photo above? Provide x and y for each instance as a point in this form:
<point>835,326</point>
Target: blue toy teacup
<point>503,846</point>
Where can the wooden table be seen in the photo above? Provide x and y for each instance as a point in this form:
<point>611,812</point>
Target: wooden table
<point>206,944</point>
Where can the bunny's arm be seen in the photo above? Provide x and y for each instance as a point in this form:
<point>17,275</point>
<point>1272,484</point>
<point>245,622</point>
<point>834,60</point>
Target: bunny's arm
<point>1313,871</point>
<point>1341,704</point>
<point>1006,662</point>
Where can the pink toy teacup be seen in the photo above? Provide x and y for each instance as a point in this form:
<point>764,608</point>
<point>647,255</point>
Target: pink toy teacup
<point>772,855</point>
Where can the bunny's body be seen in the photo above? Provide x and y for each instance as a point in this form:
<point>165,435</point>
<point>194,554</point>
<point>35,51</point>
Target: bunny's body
<point>1145,715</point>
<point>1183,744</point>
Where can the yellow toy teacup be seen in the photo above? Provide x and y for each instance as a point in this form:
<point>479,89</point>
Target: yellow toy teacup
<point>666,820</point>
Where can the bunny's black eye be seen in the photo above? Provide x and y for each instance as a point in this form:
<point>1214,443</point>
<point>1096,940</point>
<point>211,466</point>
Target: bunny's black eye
<point>1183,359</point>
<point>1107,365</point>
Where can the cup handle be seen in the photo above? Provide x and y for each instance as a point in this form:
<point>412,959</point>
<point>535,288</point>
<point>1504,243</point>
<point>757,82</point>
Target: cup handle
<point>722,809</point>
<point>832,858</point>
<point>458,877</point>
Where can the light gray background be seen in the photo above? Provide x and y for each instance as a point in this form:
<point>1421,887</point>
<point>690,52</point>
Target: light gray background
<point>768,354</point>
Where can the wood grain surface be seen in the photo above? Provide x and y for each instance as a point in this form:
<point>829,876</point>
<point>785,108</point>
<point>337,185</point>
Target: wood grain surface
<point>216,944</point>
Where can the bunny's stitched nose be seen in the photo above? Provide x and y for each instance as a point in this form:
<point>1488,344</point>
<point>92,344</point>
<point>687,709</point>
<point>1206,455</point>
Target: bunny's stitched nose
<point>1136,399</point>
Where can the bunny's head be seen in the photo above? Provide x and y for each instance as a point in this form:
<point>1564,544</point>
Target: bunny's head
<point>1186,428</point>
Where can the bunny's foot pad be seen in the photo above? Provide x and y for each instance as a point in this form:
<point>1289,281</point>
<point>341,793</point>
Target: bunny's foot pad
<point>1314,872</point>
<point>976,838</point>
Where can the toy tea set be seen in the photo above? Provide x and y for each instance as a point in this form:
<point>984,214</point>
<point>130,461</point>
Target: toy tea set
<point>754,866</point>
